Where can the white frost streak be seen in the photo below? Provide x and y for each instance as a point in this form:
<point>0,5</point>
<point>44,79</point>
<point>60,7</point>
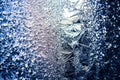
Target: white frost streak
<point>38,22</point>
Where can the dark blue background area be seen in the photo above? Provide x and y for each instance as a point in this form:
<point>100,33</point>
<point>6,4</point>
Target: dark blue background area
<point>110,70</point>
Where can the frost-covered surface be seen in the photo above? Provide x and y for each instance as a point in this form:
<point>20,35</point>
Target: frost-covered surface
<point>12,37</point>
<point>28,44</point>
<point>59,40</point>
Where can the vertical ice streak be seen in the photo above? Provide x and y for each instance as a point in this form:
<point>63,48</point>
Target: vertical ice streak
<point>83,35</point>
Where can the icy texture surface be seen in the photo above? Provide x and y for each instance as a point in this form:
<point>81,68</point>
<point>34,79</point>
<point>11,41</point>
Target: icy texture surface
<point>27,43</point>
<point>59,40</point>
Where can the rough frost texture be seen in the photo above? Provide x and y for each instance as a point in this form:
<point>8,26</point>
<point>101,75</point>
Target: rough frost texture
<point>14,41</point>
<point>28,47</point>
<point>59,40</point>
<point>88,58</point>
